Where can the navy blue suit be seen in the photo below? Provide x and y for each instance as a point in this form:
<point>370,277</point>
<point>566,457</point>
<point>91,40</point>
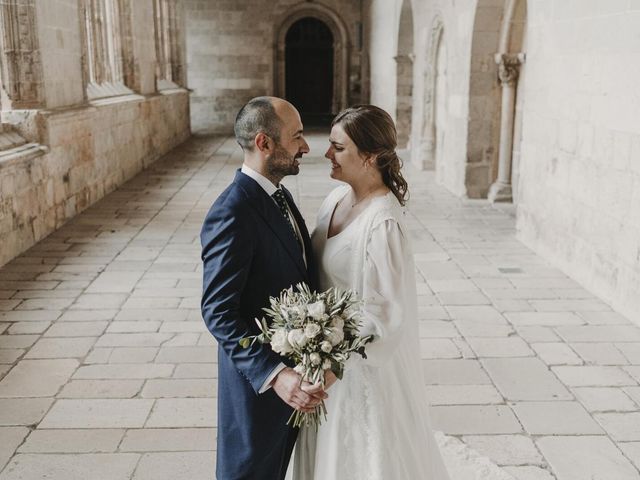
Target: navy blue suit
<point>249,254</point>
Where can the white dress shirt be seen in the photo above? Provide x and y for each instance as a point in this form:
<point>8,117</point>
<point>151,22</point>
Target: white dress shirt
<point>270,189</point>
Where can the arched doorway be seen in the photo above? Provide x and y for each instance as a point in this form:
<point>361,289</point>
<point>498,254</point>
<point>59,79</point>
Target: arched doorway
<point>404,66</point>
<point>309,70</point>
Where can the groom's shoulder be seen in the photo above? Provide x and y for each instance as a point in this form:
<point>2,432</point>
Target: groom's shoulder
<point>231,202</point>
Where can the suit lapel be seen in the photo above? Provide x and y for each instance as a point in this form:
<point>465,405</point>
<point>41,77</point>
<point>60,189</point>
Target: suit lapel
<point>268,210</point>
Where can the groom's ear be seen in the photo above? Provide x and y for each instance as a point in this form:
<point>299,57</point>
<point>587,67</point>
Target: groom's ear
<point>262,142</point>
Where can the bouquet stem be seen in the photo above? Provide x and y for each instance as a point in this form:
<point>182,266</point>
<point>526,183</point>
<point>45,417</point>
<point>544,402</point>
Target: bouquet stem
<point>299,419</point>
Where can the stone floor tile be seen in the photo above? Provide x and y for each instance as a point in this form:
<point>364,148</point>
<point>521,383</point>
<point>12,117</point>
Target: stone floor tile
<point>72,441</point>
<point>634,393</point>
<point>28,327</point>
<point>177,388</point>
<point>4,326</point>
<point>140,326</point>
<point>600,353</point>
<point>585,457</point>
<point>552,319</point>
<point>101,389</point>
<point>479,313</point>
<point>454,372</point>
<point>156,314</point>
<point>622,427</point>
<point>556,354</point>
<point>556,418</point>
<point>604,399</point>
<point>463,395</point>
<point>30,316</point>
<point>186,340</point>
<point>600,333</point>
<point>632,452</point>
<point>37,378</point>
<point>471,328</point>
<point>88,315</point>
<point>115,282</point>
<point>530,473</point>
<point>535,333</point>
<point>76,329</point>
<point>169,440</point>
<point>145,303</point>
<point>525,379</point>
<point>500,347</point>
<point>506,449</point>
<point>45,304</point>
<point>17,341</point>
<point>631,351</point>
<point>634,371</point>
<point>592,376</point>
<point>454,285</point>
<point>196,370</point>
<point>23,411</point>
<point>474,419</point>
<point>183,412</point>
<point>172,465</point>
<point>133,339</point>
<point>105,466</point>
<point>462,298</point>
<point>603,318</point>
<point>97,413</point>
<point>124,371</point>
<point>11,437</point>
<point>191,354</point>
<point>133,354</point>
<point>10,355</point>
<point>99,301</point>
<point>438,348</point>
<point>61,347</point>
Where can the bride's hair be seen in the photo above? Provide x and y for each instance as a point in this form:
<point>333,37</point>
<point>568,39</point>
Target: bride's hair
<point>373,132</point>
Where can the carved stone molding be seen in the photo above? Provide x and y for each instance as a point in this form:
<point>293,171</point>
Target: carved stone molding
<point>21,63</point>
<point>509,67</point>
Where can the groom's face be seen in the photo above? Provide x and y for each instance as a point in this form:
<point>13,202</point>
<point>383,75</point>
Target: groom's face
<point>285,159</point>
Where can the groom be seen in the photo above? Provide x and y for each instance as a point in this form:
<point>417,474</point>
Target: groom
<point>254,245</point>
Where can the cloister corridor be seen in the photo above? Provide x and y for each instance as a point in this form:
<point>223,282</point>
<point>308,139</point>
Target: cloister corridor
<point>108,372</point>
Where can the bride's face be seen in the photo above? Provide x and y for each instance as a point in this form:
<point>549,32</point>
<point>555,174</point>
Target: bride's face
<point>347,163</point>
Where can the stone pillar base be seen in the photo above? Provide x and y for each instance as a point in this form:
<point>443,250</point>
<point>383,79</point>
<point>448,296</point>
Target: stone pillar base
<point>500,192</point>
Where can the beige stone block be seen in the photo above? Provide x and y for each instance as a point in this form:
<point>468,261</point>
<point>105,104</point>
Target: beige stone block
<point>133,355</point>
<point>622,427</point>
<point>183,412</point>
<point>588,376</point>
<point>533,334</point>
<point>97,413</point>
<point>114,282</point>
<point>72,441</point>
<point>631,351</point>
<point>472,419</point>
<point>10,355</point>
<point>581,457</point>
<point>101,389</point>
<point>12,437</point>
<point>99,301</point>
<point>161,466</point>
<point>118,466</point>
<point>599,353</point>
<point>506,449</point>
<point>139,326</point>
<point>61,347</point>
<point>556,418</point>
<point>525,379</point>
<point>23,411</point>
<point>45,304</point>
<point>189,354</point>
<point>37,378</point>
<point>556,354</point>
<point>30,316</point>
<point>632,451</point>
<point>28,327</point>
<point>76,329</point>
<point>600,333</point>
<point>133,339</point>
<point>454,372</point>
<point>124,371</point>
<point>88,315</point>
<point>544,318</point>
<point>169,440</point>
<point>196,370</point>
<point>17,341</point>
<point>154,314</point>
<point>179,388</point>
<point>463,395</point>
<point>529,473</point>
<point>500,347</point>
<point>603,399</point>
<point>438,348</point>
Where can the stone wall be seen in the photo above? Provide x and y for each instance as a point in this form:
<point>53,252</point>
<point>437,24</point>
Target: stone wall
<point>77,151</point>
<point>579,169</point>
<point>231,50</point>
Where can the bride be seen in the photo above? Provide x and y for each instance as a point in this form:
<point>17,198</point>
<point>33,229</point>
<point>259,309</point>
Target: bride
<point>377,426</point>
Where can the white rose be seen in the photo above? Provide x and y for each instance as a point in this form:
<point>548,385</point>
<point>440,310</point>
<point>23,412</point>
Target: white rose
<point>316,310</point>
<point>280,343</point>
<point>301,311</point>
<point>326,346</point>
<point>326,365</point>
<point>312,330</point>
<point>335,336</point>
<point>297,338</point>
<point>337,322</point>
<point>315,358</point>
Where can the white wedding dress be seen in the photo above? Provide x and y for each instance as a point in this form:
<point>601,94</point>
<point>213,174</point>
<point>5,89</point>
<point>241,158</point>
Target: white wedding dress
<point>378,426</point>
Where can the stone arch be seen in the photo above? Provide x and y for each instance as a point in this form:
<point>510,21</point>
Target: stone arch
<point>404,71</point>
<point>428,144</point>
<point>341,49</point>
<point>498,31</point>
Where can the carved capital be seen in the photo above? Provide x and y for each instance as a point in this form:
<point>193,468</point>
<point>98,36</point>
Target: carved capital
<point>509,67</point>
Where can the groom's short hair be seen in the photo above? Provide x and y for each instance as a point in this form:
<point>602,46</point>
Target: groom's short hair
<point>257,116</point>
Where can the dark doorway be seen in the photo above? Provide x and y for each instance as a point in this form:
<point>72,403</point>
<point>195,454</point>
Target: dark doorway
<point>309,70</point>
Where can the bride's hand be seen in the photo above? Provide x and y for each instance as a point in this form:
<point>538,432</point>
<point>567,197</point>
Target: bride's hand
<point>329,379</point>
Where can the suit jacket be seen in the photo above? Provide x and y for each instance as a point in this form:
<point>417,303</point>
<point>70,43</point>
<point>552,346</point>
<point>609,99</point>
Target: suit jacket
<point>249,254</point>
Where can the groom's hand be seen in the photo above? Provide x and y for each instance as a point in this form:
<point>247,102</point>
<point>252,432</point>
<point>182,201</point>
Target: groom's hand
<point>287,386</point>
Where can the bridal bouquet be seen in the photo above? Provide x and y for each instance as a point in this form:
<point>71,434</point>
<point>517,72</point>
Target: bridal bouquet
<point>318,331</point>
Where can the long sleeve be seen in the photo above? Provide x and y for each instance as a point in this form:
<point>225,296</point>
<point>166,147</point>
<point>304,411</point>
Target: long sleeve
<point>386,288</point>
<point>227,252</point>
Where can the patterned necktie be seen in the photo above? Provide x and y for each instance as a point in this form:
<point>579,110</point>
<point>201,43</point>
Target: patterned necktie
<point>278,196</point>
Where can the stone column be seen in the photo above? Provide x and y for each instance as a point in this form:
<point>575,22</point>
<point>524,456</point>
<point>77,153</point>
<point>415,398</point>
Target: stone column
<point>404,66</point>
<point>21,63</point>
<point>508,70</point>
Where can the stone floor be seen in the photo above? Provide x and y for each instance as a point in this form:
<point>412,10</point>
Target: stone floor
<point>108,373</point>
